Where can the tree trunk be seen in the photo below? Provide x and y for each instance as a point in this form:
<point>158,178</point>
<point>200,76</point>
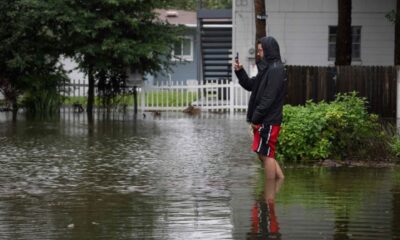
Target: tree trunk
<point>397,36</point>
<point>343,34</point>
<point>259,9</point>
<point>135,102</point>
<point>14,108</point>
<point>90,101</point>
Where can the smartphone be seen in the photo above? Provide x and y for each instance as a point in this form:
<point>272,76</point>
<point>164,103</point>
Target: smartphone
<point>237,57</point>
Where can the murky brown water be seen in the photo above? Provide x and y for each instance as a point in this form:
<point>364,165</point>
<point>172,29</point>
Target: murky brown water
<point>176,177</point>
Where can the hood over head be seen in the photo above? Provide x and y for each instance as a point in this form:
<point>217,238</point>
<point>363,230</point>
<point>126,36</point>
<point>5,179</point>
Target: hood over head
<point>271,49</point>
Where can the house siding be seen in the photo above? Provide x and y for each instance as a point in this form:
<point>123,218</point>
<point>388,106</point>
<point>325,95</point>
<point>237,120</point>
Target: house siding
<point>181,71</point>
<point>301,28</point>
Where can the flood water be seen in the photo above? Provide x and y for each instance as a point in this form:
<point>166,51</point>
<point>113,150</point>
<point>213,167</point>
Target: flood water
<point>176,177</point>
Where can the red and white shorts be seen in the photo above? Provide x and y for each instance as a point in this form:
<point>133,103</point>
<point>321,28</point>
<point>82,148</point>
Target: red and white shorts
<point>265,139</point>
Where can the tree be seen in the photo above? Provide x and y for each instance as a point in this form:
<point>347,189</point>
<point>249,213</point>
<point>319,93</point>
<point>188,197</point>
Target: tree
<point>394,17</point>
<point>259,6</point>
<point>343,34</point>
<point>190,5</point>
<point>29,51</point>
<point>107,37</point>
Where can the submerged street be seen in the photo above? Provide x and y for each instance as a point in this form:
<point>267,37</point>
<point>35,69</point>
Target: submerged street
<point>176,177</point>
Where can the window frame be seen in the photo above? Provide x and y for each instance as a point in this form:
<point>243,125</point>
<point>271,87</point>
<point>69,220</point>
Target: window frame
<point>331,43</point>
<point>181,56</point>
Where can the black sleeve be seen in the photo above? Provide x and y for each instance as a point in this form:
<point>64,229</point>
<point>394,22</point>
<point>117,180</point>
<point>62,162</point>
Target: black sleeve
<point>244,80</point>
<point>275,81</point>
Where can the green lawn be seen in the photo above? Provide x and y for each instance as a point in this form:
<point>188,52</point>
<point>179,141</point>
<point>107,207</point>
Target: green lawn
<point>163,98</point>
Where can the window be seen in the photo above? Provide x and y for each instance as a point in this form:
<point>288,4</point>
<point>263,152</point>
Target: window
<point>184,49</point>
<point>356,43</point>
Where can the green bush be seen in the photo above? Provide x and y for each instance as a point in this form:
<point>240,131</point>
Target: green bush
<point>395,146</point>
<point>338,130</point>
<point>42,95</point>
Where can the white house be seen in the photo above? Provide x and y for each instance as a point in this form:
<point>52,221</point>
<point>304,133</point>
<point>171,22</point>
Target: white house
<point>306,31</point>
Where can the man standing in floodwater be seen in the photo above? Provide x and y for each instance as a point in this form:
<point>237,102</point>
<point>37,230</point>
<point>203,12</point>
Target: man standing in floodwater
<point>265,107</point>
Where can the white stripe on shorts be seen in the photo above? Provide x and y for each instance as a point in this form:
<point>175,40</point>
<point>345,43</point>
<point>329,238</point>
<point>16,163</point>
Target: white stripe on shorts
<point>269,136</point>
<point>260,142</point>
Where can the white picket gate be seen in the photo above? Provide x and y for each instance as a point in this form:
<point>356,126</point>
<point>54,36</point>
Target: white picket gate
<point>176,96</point>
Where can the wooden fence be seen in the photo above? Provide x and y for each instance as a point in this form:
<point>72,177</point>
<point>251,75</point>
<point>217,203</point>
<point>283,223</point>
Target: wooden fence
<point>377,84</point>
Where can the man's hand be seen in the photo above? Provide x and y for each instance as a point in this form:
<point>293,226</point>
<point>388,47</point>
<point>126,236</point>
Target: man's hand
<point>237,66</point>
<point>254,126</point>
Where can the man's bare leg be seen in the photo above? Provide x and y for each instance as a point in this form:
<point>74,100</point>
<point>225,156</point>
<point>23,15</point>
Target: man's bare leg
<point>269,168</point>
<point>270,164</point>
<point>279,172</point>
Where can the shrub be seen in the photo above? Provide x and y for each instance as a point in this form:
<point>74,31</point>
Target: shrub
<point>340,129</point>
<point>395,146</point>
<point>42,94</point>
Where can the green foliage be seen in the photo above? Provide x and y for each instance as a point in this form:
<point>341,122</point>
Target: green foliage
<point>392,16</point>
<point>191,5</point>
<point>42,94</point>
<point>28,45</point>
<point>110,85</point>
<point>115,35</point>
<point>395,145</point>
<point>338,130</point>
<point>107,38</point>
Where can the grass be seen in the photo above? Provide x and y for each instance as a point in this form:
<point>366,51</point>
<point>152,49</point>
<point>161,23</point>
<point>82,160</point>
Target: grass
<point>172,99</point>
<point>163,98</point>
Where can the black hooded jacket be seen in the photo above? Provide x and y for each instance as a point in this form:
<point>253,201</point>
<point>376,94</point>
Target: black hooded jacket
<point>267,88</point>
